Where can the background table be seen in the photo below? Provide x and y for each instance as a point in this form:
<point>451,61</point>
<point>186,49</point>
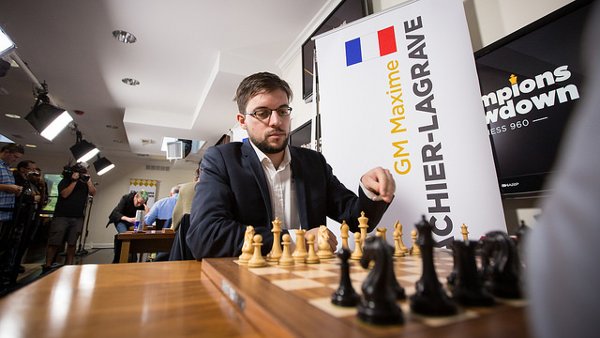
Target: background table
<point>144,242</point>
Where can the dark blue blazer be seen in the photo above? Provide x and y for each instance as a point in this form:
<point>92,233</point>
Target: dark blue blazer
<point>233,193</point>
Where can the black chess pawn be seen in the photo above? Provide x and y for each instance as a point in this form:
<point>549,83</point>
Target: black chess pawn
<point>429,299</point>
<point>378,302</point>
<point>501,266</point>
<point>345,294</point>
<point>467,285</point>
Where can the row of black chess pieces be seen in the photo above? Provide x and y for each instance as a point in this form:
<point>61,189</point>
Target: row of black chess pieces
<point>499,276</point>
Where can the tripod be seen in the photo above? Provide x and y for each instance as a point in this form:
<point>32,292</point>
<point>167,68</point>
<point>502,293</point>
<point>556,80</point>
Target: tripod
<point>81,251</point>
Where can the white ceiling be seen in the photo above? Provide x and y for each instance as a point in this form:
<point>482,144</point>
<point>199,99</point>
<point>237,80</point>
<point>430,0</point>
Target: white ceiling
<point>189,57</point>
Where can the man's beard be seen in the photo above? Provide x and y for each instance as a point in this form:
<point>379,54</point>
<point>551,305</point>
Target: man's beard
<point>268,149</point>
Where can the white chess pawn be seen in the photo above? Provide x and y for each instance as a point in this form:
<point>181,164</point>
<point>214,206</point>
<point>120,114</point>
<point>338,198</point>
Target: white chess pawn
<point>300,252</point>
<point>414,250</point>
<point>257,259</point>
<point>357,254</point>
<point>312,257</point>
<point>286,257</point>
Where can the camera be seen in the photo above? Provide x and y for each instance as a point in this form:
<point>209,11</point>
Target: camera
<point>77,168</point>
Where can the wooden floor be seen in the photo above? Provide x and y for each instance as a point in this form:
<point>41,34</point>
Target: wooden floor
<point>35,257</point>
<point>33,263</point>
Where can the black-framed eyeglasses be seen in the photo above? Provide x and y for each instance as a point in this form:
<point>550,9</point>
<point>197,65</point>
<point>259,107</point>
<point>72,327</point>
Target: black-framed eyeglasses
<point>265,113</point>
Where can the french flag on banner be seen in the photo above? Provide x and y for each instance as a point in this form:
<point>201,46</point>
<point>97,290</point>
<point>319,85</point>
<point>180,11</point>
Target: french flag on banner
<point>380,43</point>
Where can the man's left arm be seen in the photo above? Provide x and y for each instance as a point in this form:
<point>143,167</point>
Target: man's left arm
<point>91,187</point>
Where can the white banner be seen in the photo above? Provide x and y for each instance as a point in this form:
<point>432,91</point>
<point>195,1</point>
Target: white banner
<point>399,89</point>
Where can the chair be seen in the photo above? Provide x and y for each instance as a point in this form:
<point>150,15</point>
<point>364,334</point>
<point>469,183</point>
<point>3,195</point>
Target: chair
<point>180,250</point>
<point>160,223</point>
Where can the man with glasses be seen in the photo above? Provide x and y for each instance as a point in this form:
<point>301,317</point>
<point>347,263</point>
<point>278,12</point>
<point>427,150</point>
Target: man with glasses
<point>255,181</point>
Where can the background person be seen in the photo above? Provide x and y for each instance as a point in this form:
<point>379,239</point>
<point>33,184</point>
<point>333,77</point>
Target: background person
<point>69,214</point>
<point>162,210</point>
<point>123,215</point>
<point>184,200</point>
<point>562,272</point>
<point>26,211</point>
<point>9,154</point>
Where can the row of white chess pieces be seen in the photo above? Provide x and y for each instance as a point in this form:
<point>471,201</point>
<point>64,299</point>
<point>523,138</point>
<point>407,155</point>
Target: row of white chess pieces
<point>305,251</point>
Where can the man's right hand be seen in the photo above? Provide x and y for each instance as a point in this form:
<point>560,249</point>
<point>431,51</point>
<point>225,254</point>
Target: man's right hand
<point>13,189</point>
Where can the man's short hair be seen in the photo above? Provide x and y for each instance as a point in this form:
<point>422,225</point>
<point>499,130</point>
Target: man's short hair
<point>13,148</point>
<point>24,164</point>
<point>254,84</point>
<point>143,195</point>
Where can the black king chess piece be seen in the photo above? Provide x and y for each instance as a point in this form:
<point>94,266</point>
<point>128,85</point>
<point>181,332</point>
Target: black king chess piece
<point>501,265</point>
<point>429,299</point>
<point>465,281</point>
<point>345,294</point>
<point>378,302</point>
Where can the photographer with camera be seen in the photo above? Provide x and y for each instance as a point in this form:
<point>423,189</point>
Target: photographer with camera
<point>67,223</point>
<point>25,213</point>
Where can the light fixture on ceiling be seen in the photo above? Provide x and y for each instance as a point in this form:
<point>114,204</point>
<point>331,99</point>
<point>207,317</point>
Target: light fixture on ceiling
<point>124,36</point>
<point>6,44</point>
<point>130,81</point>
<point>103,165</point>
<point>83,150</point>
<point>47,119</point>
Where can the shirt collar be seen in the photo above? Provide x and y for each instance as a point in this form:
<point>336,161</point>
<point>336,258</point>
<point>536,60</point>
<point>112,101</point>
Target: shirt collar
<point>287,157</point>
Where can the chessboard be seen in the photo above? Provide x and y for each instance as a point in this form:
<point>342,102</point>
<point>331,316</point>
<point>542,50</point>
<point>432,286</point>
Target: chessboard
<point>295,301</point>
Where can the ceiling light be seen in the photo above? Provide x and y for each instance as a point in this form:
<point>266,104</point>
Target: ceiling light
<point>5,139</point>
<point>102,165</point>
<point>6,44</point>
<point>124,36</point>
<point>13,116</point>
<point>47,119</point>
<point>130,81</point>
<point>83,150</point>
<point>30,145</point>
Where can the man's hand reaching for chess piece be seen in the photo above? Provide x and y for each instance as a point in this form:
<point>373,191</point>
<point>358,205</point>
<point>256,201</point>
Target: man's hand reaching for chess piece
<point>380,183</point>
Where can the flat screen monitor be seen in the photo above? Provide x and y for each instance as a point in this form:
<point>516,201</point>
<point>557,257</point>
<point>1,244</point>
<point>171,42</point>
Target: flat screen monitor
<point>531,81</point>
<point>345,12</point>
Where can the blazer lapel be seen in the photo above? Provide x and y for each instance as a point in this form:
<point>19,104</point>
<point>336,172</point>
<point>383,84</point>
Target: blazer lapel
<point>251,161</point>
<point>300,184</point>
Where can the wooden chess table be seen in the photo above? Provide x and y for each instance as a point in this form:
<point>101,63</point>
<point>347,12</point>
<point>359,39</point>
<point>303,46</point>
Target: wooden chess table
<point>295,301</point>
